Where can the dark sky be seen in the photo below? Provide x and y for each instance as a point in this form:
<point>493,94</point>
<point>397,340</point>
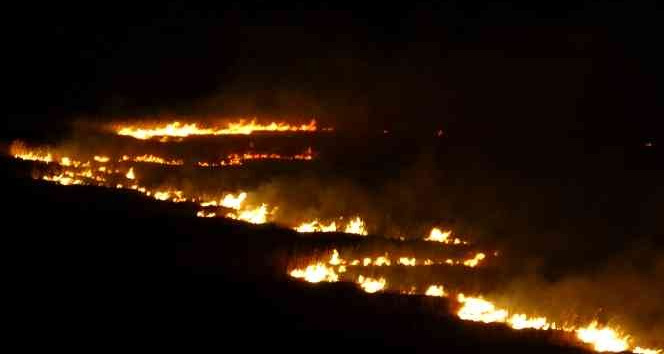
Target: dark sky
<point>483,71</point>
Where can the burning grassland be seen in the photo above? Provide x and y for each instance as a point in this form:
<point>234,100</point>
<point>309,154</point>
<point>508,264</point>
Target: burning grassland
<point>425,252</point>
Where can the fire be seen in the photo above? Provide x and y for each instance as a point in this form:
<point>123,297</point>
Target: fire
<point>475,260</point>
<point>255,216</point>
<point>233,202</point>
<point>239,159</point>
<point>435,290</point>
<point>603,339</point>
<point>356,226</point>
<point>335,260</point>
<point>101,159</point>
<point>152,159</point>
<point>479,310</point>
<point>407,261</point>
<point>316,273</point>
<point>640,350</point>
<point>436,235</point>
<point>371,285</point>
<point>177,129</point>
<point>19,150</point>
<point>130,174</point>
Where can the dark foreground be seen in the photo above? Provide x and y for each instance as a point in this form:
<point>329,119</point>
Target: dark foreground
<point>86,266</point>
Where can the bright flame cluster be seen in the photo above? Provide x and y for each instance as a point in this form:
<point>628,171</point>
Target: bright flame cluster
<point>354,226</point>
<point>436,235</point>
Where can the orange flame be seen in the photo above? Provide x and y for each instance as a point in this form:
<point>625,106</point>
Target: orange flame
<point>177,129</point>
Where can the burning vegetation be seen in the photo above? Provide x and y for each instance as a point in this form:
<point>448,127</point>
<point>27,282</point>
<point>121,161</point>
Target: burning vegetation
<point>375,270</point>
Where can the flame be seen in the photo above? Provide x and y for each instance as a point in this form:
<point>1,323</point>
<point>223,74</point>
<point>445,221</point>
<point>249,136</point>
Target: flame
<point>255,216</point>
<point>603,339</point>
<point>101,159</point>
<point>407,261</point>
<point>316,273</point>
<point>479,310</point>
<point>435,290</point>
<point>130,174</point>
<point>19,150</point>
<point>356,226</point>
<point>152,159</point>
<point>640,350</point>
<point>177,129</point>
<point>233,202</point>
<point>204,214</point>
<point>436,235</point>
<point>371,285</point>
<point>475,260</point>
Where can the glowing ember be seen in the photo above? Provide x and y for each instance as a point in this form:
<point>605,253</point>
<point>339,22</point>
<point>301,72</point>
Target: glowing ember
<point>316,273</point>
<point>435,290</point>
<point>371,285</point>
<point>603,339</point>
<point>177,129</point>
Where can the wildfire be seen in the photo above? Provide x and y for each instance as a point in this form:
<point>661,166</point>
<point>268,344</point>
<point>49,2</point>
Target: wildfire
<point>130,174</point>
<point>242,127</point>
<point>316,273</point>
<point>239,159</point>
<point>151,159</point>
<point>435,290</point>
<point>603,339</point>
<point>101,159</point>
<point>255,216</point>
<point>371,285</point>
<point>19,150</point>
<point>473,262</point>
<point>354,226</point>
<point>436,235</point>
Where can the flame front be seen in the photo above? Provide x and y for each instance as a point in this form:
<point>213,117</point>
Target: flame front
<point>435,290</point>
<point>242,127</point>
<point>316,273</point>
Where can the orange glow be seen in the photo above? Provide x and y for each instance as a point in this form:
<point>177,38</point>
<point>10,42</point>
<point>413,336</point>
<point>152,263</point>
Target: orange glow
<point>177,129</point>
<point>356,226</point>
<point>475,260</point>
<point>102,159</point>
<point>255,216</point>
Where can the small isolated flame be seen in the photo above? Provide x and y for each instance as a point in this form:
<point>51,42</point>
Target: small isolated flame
<point>435,290</point>
<point>316,273</point>
<point>603,339</point>
<point>130,174</point>
<point>177,129</point>
<point>371,285</point>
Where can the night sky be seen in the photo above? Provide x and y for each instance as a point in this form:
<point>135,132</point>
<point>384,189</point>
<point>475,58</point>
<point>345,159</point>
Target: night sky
<point>478,72</point>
